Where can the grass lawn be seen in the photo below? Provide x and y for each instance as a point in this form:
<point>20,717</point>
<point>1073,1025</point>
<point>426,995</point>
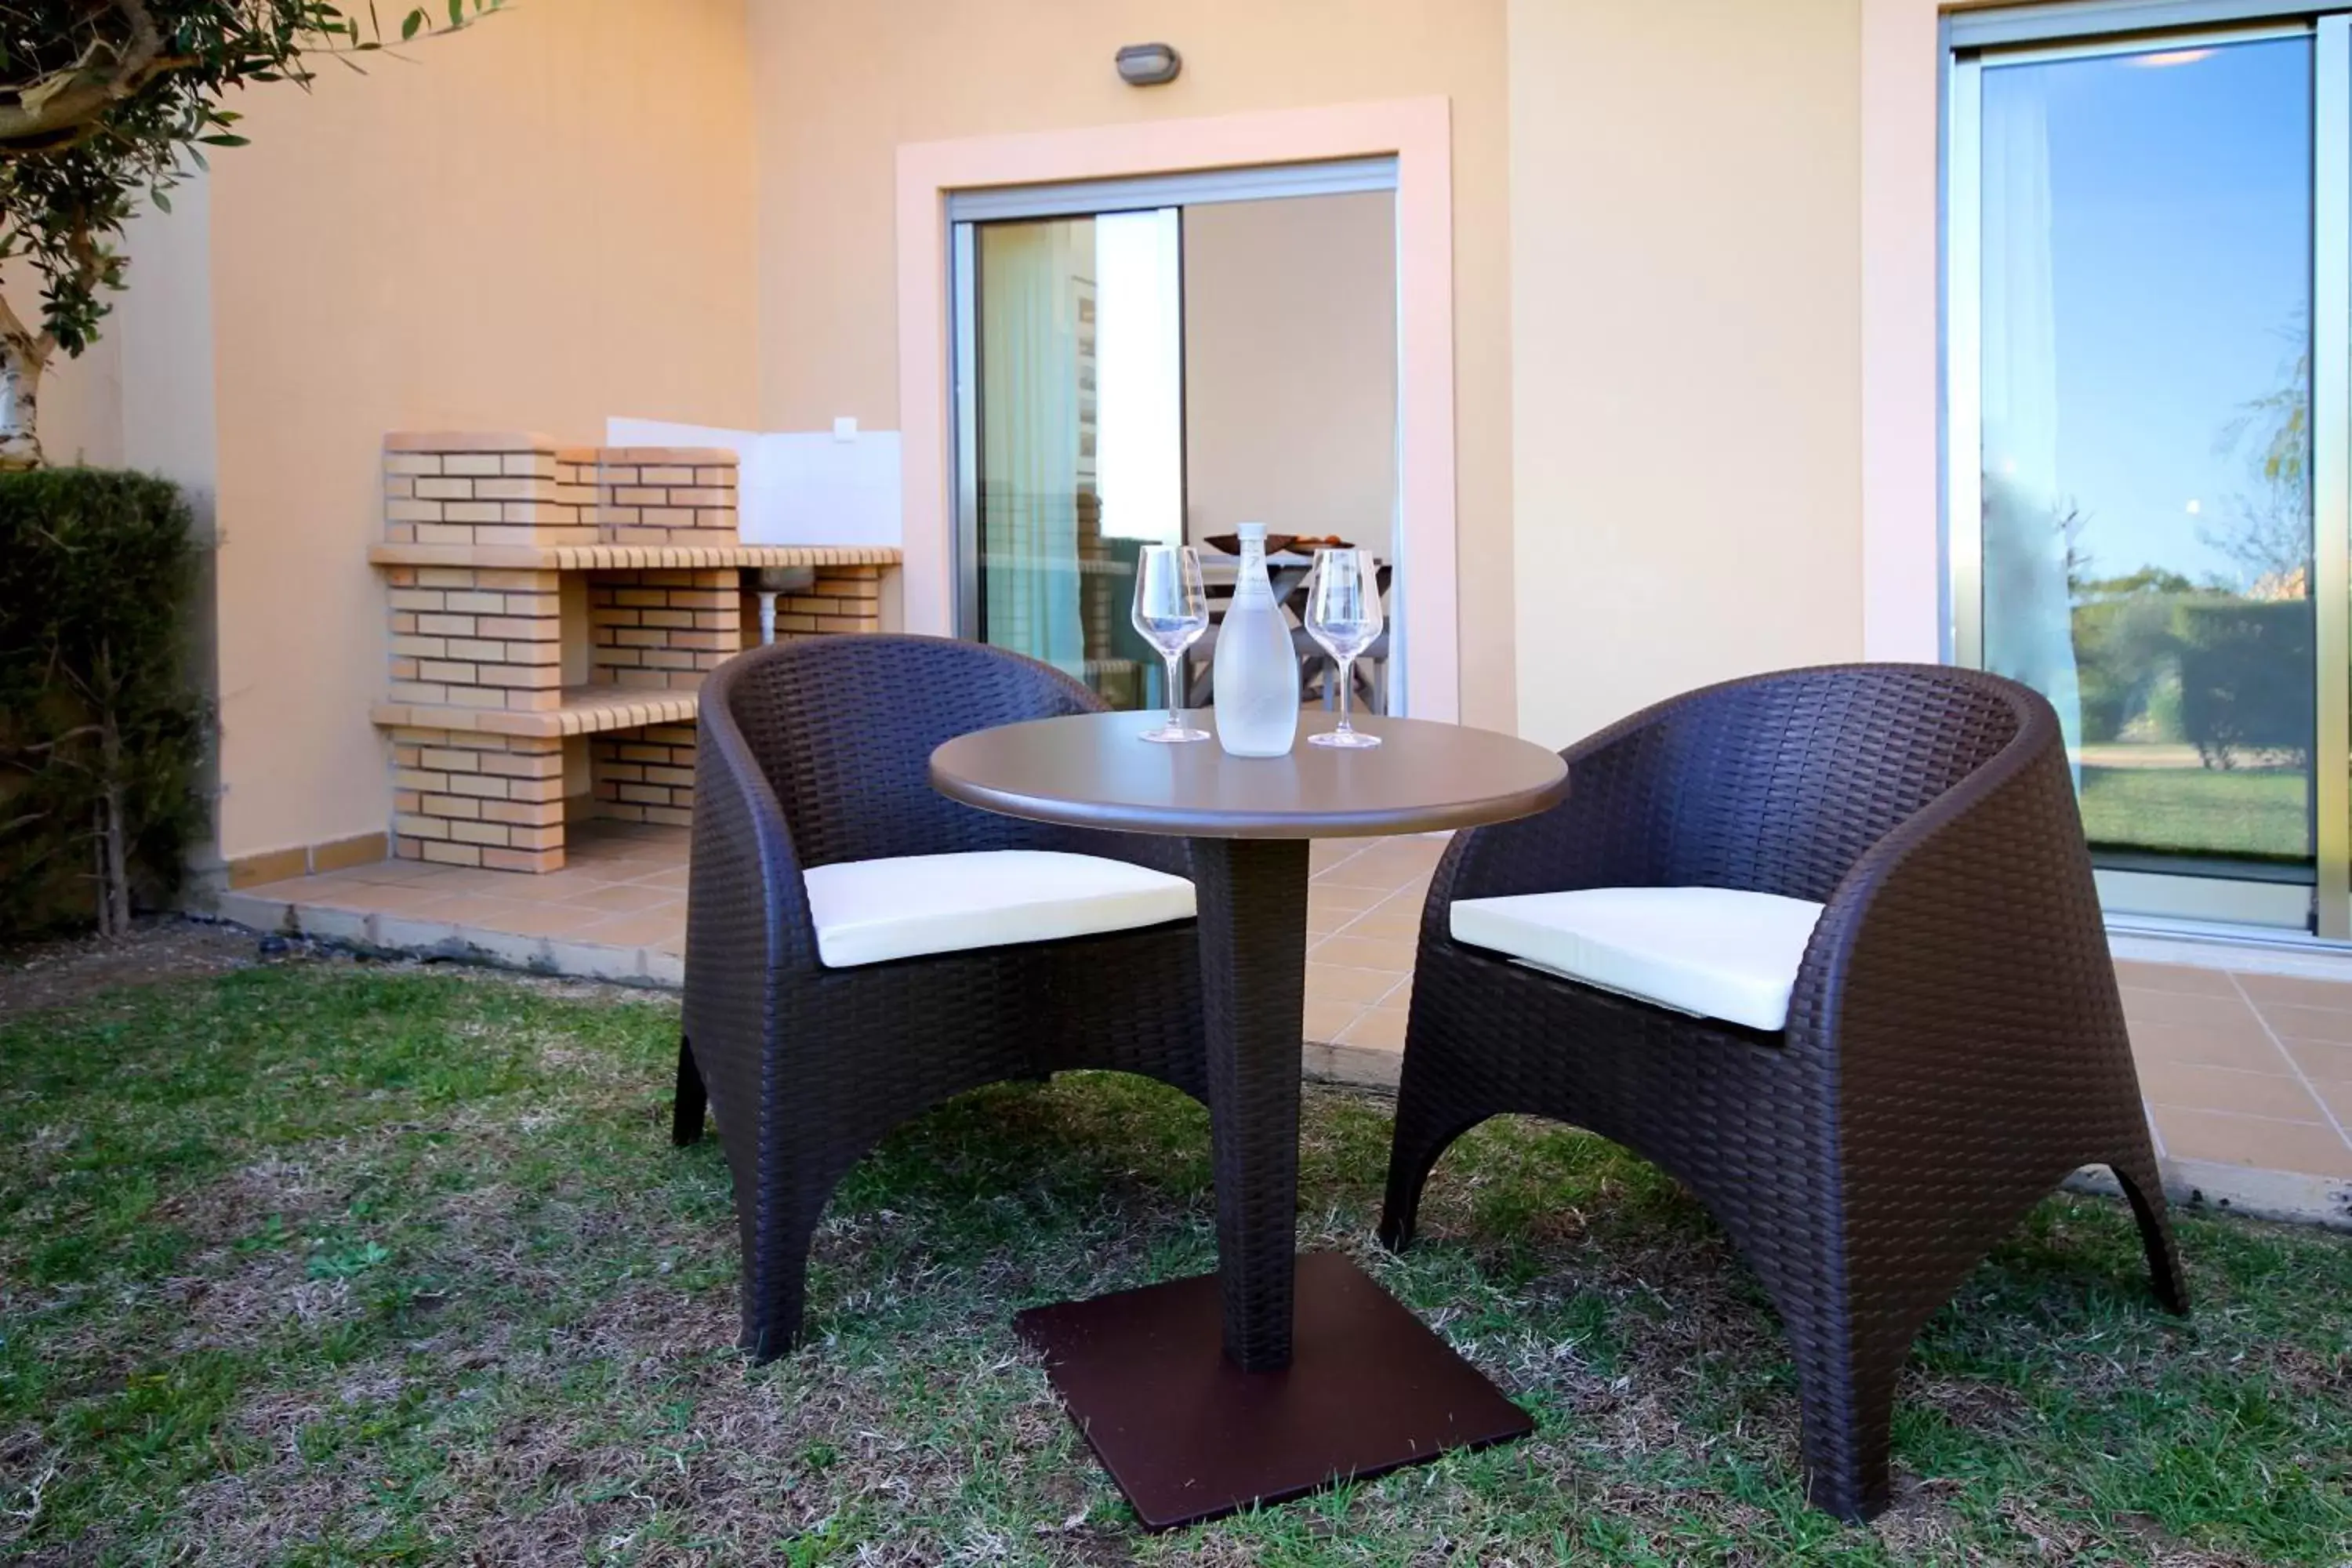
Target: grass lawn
<point>322,1263</point>
<point>2261,812</point>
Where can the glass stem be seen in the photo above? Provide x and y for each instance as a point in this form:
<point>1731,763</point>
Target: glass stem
<point>1175,692</point>
<point>1346,685</point>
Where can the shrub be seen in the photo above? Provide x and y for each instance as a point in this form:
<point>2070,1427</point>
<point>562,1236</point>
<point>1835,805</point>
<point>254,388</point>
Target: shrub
<point>101,733</point>
<point>2246,674</point>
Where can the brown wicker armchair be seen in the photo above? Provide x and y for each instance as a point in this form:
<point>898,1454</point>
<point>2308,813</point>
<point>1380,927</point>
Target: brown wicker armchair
<point>814,754</point>
<point>1953,1043</point>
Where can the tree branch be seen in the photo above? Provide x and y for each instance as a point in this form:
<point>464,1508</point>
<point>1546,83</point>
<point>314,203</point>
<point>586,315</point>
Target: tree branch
<point>12,325</point>
<point>61,115</point>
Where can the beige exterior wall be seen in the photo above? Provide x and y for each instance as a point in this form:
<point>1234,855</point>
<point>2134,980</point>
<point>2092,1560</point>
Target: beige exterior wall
<point>1686,254</point>
<point>839,87</point>
<point>1290,354</point>
<point>1669,298</point>
<point>545,220</point>
<point>81,399</point>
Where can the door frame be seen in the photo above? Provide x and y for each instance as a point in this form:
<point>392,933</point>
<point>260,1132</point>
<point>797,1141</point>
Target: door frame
<point>1417,132</point>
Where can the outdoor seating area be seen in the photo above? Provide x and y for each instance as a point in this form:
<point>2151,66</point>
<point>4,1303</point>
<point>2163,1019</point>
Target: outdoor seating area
<point>851,913</point>
<point>1486,782</point>
<point>848,990</point>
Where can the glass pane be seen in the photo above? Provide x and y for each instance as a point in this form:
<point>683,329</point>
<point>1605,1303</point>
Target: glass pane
<point>1080,437</point>
<point>2147,373</point>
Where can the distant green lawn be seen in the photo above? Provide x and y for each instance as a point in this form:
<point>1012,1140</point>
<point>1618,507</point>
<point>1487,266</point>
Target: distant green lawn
<point>2253,811</point>
<point>323,1264</point>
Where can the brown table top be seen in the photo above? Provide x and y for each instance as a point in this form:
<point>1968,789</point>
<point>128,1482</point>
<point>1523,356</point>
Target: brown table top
<point>1090,770</point>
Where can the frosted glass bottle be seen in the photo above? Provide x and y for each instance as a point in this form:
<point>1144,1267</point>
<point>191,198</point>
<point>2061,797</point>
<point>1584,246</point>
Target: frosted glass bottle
<point>1256,691</point>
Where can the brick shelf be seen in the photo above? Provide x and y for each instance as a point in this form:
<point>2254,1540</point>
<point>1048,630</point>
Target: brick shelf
<point>542,595</point>
<point>630,557</point>
<point>584,710</point>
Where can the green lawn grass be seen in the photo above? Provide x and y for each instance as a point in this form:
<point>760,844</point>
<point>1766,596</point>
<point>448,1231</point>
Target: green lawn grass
<point>2258,812</point>
<point>329,1264</point>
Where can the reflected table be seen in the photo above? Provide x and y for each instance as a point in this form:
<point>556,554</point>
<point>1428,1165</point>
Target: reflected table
<point>1278,1374</point>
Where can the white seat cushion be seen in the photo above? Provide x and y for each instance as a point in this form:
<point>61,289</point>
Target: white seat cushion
<point>868,912</point>
<point>1714,952</point>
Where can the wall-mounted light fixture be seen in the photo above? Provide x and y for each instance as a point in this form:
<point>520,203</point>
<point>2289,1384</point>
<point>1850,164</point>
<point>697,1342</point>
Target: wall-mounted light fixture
<point>1148,65</point>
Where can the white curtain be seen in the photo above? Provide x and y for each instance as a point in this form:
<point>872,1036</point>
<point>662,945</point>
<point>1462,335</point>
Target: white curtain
<point>1029,440</point>
<point>2029,633</point>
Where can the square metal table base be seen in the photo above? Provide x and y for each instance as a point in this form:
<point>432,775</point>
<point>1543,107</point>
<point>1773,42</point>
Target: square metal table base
<point>1188,1436</point>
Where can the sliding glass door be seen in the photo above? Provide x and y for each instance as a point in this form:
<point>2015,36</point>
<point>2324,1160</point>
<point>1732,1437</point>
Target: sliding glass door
<point>1067,312</point>
<point>2146,297</point>
<point>1071,373</point>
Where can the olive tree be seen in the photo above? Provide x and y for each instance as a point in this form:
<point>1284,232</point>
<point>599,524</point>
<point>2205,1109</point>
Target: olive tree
<point>105,102</point>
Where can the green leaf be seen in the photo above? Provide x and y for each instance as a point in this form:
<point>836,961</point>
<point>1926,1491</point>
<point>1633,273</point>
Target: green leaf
<point>409,24</point>
<point>226,139</point>
<point>163,203</point>
<point>456,12</point>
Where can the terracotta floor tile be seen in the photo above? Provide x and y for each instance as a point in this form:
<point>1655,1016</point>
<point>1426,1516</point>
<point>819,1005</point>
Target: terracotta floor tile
<point>628,867</point>
<point>1340,896</point>
<point>1322,853</point>
<point>2182,1009</point>
<point>628,899</point>
<point>671,877</point>
<point>1407,902</point>
<point>1326,1016</point>
<point>2296,991</point>
<point>635,929</point>
<point>1360,986</point>
<point>1364,953</point>
<point>613,868</point>
<point>1379,926</point>
<point>2308,1022</point>
<point>1344,875</point>
<point>2180,977</point>
<point>1369,871</point>
<point>2247,1048</point>
<point>2322,1061</point>
<point>1416,886</point>
<point>479,879</point>
<point>1326,922</point>
<point>477,910</point>
<point>337,891</point>
<point>1403,856</point>
<point>542,887</point>
<point>597,832</point>
<point>2314,1151</point>
<point>517,917</point>
<point>390,871</point>
<point>2337,1096</point>
<point>406,900</point>
<point>1379,1028</point>
<point>2195,1088</point>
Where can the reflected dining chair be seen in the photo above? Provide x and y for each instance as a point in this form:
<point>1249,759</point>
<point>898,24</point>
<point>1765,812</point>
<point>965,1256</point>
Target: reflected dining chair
<point>1825,946</point>
<point>860,948</point>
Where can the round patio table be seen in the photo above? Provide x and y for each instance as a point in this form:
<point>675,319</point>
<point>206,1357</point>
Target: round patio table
<point>1276,1374</point>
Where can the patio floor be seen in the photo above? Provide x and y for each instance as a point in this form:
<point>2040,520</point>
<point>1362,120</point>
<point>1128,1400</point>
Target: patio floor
<point>2243,1070</point>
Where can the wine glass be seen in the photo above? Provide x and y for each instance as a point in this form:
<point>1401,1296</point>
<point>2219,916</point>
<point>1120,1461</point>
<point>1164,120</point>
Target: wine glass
<point>1343,614</point>
<point>1171,611</point>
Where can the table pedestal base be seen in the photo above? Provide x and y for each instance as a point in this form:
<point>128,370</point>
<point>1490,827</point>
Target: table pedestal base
<point>1188,1436</point>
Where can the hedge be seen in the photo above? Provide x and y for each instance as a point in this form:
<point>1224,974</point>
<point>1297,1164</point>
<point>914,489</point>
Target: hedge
<point>102,735</point>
